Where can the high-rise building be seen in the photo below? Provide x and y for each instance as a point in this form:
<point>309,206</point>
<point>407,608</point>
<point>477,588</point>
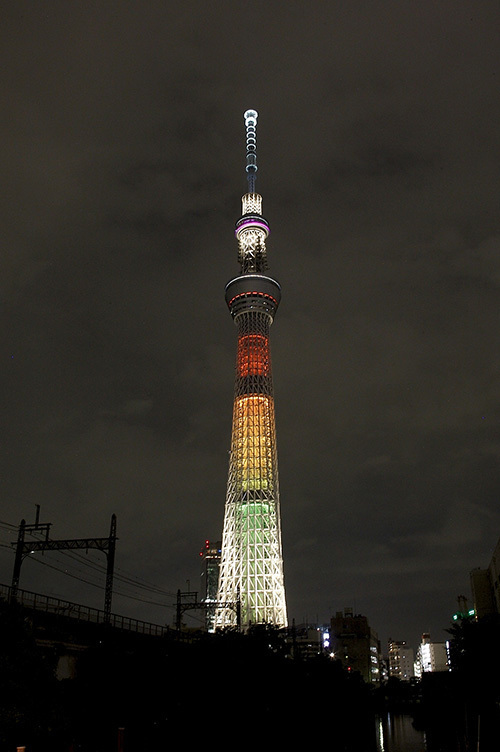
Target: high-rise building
<point>251,585</point>
<point>210,556</point>
<point>483,594</point>
<point>401,660</point>
<point>356,644</point>
<point>431,656</point>
<point>485,585</point>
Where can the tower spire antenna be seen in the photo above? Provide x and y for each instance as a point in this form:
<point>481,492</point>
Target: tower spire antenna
<point>252,229</point>
<point>251,132</point>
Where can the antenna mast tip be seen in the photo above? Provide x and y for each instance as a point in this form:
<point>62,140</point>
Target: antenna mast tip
<point>251,117</point>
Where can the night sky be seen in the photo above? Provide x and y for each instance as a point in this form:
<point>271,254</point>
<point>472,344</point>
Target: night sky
<point>123,167</point>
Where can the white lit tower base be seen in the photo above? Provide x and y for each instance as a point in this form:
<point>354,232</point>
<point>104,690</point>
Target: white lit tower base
<point>251,570</point>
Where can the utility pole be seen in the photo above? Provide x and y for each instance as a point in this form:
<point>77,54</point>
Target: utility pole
<point>110,569</point>
<point>22,548</point>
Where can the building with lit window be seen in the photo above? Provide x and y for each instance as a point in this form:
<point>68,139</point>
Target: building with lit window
<point>210,557</point>
<point>356,645</point>
<point>401,660</point>
<point>306,641</point>
<point>431,656</point>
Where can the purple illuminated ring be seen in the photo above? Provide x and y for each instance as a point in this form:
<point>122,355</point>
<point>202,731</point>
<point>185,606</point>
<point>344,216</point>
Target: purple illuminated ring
<point>251,223</point>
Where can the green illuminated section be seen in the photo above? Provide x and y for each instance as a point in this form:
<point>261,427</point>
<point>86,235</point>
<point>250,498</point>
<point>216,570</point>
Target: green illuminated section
<point>255,519</point>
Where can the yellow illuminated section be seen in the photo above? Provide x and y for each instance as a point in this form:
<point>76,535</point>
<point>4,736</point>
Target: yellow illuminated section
<point>252,452</point>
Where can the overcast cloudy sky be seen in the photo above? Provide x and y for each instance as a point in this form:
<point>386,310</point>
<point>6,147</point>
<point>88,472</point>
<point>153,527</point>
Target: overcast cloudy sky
<point>122,170</point>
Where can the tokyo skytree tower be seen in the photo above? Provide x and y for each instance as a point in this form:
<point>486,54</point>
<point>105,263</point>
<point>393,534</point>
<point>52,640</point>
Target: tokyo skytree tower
<point>251,570</point>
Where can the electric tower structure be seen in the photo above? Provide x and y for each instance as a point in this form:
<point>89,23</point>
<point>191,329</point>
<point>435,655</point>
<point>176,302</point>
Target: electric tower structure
<point>251,584</point>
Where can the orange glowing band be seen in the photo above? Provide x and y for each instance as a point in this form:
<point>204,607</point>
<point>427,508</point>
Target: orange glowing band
<point>258,294</point>
<point>251,442</point>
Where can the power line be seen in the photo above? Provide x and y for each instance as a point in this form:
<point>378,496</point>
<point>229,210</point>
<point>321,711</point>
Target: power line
<point>126,579</point>
<point>62,569</point>
<point>96,585</point>
<point>9,524</point>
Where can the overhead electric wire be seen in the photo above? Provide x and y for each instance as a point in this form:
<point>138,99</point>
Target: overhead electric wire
<point>9,524</point>
<point>126,579</point>
<point>69,574</point>
<point>96,585</point>
<point>101,569</point>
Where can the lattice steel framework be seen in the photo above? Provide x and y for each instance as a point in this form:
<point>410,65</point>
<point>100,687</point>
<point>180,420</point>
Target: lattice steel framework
<point>251,570</point>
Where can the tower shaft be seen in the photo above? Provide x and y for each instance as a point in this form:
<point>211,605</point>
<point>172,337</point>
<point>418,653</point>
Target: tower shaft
<point>251,571</point>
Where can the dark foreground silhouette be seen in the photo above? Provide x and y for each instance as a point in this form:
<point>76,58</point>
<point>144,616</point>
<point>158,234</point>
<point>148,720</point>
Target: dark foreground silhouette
<point>242,691</point>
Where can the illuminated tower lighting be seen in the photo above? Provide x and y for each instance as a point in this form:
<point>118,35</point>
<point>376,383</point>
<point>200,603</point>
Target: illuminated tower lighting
<point>251,570</point>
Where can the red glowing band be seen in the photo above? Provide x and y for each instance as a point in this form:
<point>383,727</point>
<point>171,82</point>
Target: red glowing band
<point>253,355</point>
<point>247,294</point>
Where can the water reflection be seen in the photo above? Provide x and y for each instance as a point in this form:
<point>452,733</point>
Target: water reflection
<point>396,733</point>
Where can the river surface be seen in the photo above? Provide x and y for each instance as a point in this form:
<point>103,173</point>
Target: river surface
<point>395,733</point>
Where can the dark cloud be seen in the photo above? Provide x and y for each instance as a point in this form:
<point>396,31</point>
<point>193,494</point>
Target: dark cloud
<point>122,159</point>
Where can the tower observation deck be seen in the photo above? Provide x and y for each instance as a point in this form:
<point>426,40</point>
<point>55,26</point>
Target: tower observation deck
<point>251,570</point>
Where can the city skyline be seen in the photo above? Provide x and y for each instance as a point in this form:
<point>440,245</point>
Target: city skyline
<point>122,140</point>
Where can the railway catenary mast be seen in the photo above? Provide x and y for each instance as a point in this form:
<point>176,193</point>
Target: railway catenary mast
<point>251,570</point>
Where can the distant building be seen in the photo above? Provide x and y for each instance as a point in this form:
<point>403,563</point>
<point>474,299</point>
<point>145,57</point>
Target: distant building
<point>401,660</point>
<point>431,656</point>
<point>354,643</point>
<point>210,555</point>
<point>485,584</point>
<point>306,641</point>
<point>483,593</point>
